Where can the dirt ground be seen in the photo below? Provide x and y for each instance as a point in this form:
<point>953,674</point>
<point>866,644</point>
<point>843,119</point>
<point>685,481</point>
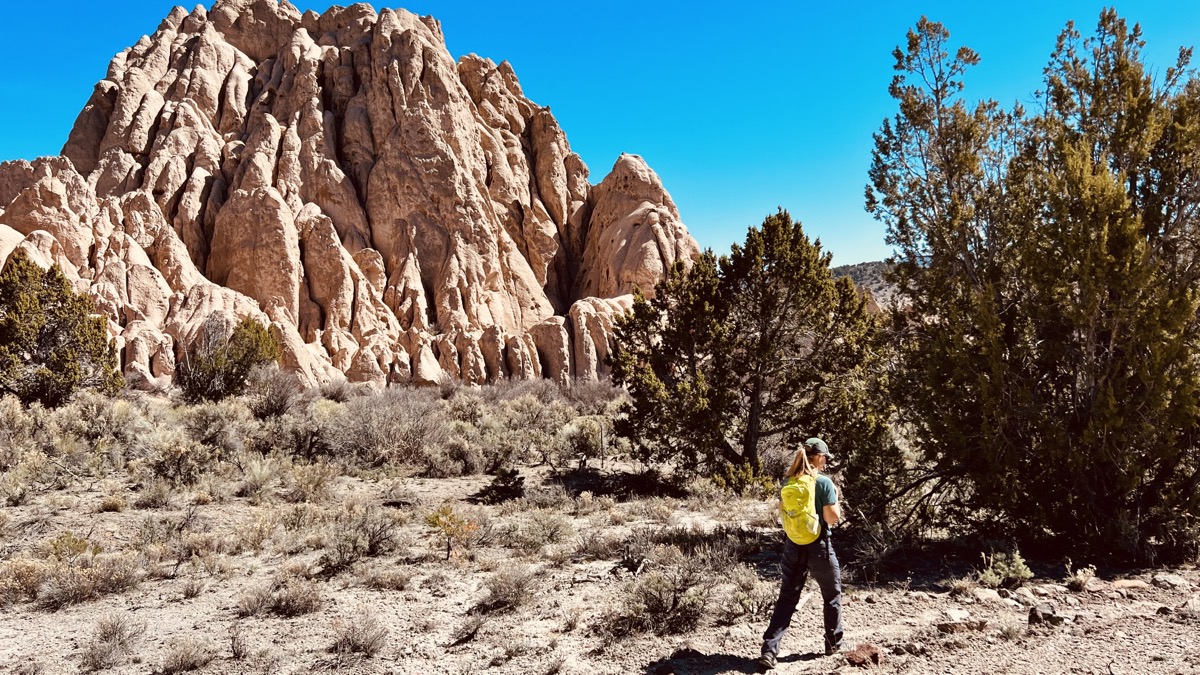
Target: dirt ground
<point>204,556</point>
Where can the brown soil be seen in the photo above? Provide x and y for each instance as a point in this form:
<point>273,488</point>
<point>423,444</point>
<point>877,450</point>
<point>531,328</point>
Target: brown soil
<point>1107,630</point>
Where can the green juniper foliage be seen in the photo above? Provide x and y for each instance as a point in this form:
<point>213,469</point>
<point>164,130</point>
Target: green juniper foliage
<point>218,364</point>
<point>759,347</point>
<point>1050,341</point>
<point>51,341</point>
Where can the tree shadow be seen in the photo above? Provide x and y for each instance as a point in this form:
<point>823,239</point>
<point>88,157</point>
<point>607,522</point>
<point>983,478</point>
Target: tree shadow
<point>620,485</point>
<point>692,662</point>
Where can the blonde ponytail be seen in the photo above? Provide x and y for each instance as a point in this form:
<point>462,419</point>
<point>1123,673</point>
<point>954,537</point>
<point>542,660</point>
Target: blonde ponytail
<point>800,465</point>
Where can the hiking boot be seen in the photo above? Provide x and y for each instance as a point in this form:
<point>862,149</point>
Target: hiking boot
<point>766,662</point>
<point>830,650</point>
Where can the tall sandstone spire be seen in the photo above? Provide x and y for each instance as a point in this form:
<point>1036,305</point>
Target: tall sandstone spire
<point>393,214</point>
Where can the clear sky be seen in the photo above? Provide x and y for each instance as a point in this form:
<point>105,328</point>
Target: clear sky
<point>740,107</point>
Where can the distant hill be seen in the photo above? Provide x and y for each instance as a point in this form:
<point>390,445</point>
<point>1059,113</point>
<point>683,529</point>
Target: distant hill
<point>869,275</point>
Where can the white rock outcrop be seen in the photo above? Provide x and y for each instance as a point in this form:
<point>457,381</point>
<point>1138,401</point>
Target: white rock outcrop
<point>394,215</point>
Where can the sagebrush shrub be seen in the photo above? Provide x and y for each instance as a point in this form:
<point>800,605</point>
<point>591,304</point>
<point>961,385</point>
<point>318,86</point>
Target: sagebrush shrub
<point>396,426</point>
<point>272,391</point>
<point>174,457</point>
<point>362,634</point>
<point>185,655</point>
<point>357,532</point>
<point>113,639</point>
<point>508,589</point>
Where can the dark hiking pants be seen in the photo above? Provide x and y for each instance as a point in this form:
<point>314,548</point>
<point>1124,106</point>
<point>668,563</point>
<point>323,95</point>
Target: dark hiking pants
<point>798,562</point>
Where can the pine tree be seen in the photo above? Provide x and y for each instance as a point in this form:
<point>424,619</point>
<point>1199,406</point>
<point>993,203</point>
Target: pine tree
<point>51,341</point>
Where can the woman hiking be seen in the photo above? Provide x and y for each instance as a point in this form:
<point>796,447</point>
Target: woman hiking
<point>808,507</point>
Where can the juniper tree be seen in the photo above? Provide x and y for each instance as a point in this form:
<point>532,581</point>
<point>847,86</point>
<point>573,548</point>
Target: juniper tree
<point>1049,263</point>
<point>51,341</point>
<point>761,346</point>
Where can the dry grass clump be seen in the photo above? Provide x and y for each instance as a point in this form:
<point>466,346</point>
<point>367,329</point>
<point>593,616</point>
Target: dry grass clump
<point>311,483</point>
<point>362,634</point>
<point>156,493</point>
<point>112,641</point>
<point>185,655</point>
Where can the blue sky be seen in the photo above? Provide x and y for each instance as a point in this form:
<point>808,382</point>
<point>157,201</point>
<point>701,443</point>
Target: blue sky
<point>740,107</point>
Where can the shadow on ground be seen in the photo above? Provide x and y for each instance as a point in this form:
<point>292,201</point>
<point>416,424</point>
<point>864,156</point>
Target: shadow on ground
<point>692,662</point>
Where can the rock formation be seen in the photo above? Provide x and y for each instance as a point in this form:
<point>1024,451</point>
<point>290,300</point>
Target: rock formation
<point>392,214</point>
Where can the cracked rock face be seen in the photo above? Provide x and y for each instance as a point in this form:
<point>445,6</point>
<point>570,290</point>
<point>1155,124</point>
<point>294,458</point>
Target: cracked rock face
<point>394,215</point>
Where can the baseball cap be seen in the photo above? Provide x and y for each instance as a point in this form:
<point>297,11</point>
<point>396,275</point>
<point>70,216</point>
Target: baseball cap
<point>817,446</point>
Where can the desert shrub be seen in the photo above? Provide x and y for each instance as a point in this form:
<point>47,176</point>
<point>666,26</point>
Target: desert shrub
<point>185,655</point>
<point>594,397</point>
<point>218,363</point>
<point>362,634</point>
<point>453,527</point>
<point>308,431</point>
<point>385,580</point>
<point>52,342</point>
<point>111,503</point>
<point>1077,579</point>
<point>530,426</point>
<point>255,601</point>
<point>399,425</point>
<point>340,390</point>
<point>743,480</point>
<point>719,548</point>
<point>259,476</point>
<point>750,598</point>
<point>357,532</point>
<point>16,431</point>
<point>1004,570</point>
<point>310,483</point>
<point>508,589</point>
<point>544,527</point>
<point>220,426</point>
<point>114,429</point>
<point>874,547</point>
<point>466,406</point>
<point>174,457</point>
<point>585,439</point>
<point>238,647</point>
<point>458,456</point>
<point>112,641</point>
<point>286,597</point>
<point>549,496</point>
<point>597,545</point>
<point>272,391</point>
<point>156,493</point>
<point>669,600</point>
<point>963,587</point>
<point>296,597</point>
<point>86,577</point>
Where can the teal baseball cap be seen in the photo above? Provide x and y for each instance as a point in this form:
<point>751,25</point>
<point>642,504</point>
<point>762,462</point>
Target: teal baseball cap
<point>816,446</point>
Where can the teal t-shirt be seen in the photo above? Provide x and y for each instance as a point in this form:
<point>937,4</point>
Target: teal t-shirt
<point>826,496</point>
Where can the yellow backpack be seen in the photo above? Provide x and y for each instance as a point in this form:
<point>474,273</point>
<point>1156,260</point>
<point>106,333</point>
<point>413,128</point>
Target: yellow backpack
<point>799,502</point>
